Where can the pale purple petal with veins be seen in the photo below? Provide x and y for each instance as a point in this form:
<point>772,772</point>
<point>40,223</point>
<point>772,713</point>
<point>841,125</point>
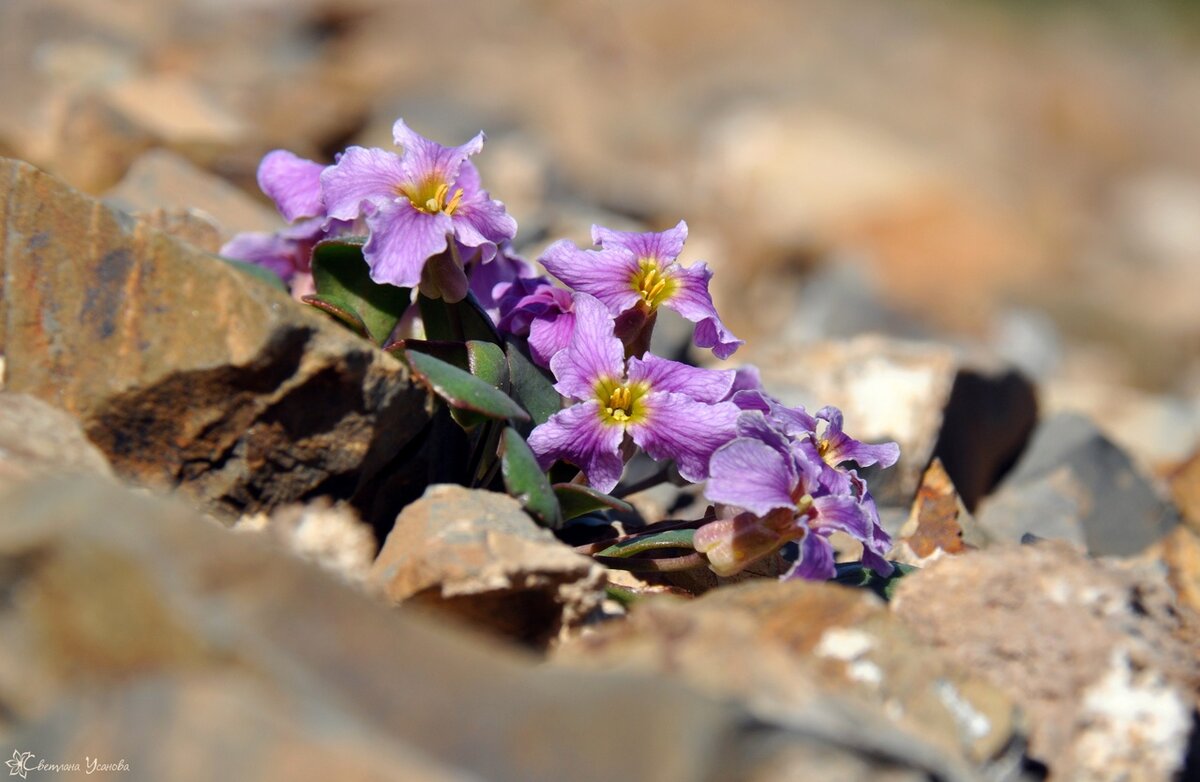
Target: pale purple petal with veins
<point>703,385</point>
<point>680,428</point>
<point>842,513</point>
<point>293,183</point>
<point>269,251</point>
<point>751,474</point>
<point>692,300</point>
<point>577,435</point>
<point>663,246</point>
<point>425,159</point>
<point>500,273</point>
<point>816,560</point>
<point>402,239</point>
<point>549,335</point>
<point>594,353</point>
<point>480,221</point>
<point>361,175</point>
<point>606,274</point>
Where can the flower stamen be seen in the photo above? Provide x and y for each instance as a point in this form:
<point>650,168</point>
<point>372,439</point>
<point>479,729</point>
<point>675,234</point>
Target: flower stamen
<point>651,284</point>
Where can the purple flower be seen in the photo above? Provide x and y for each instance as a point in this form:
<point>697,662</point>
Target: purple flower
<point>670,410</point>
<point>639,270</point>
<point>415,203</point>
<point>775,466</point>
<point>490,281</point>
<point>293,183</point>
<point>539,310</point>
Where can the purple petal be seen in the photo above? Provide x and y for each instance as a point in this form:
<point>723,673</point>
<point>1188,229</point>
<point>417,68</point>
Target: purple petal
<point>816,560</point>
<point>550,335</point>
<point>747,378</point>
<point>577,435</point>
<point>795,421</point>
<point>293,183</point>
<point>606,274</point>
<point>692,300</point>
<point>751,400</point>
<point>504,269</point>
<point>732,544</point>
<point>424,159</point>
<point>594,353</point>
<point>480,221</point>
<point>841,447</point>
<point>663,247</point>
<point>269,251</point>
<point>877,563</point>
<point>843,513</point>
<point>402,240</point>
<point>751,474</point>
<point>703,385</point>
<point>361,174</point>
<point>680,428</point>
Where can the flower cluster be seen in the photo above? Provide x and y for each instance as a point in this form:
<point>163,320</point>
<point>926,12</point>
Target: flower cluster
<point>776,474</point>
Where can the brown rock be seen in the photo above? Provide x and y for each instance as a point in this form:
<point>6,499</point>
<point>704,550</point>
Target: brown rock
<point>161,179</point>
<point>938,523</point>
<point>186,225</point>
<point>329,535</point>
<point>1089,651</point>
<point>1185,490</point>
<point>478,556</point>
<point>803,649</point>
<point>137,630</point>
<point>185,371</point>
<point>1180,550</point>
<point>38,440</point>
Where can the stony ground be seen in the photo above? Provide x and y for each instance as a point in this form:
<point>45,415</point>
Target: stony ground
<point>975,231</point>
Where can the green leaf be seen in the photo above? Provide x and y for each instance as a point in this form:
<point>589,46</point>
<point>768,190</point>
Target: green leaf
<point>260,273</point>
<point>668,539</point>
<point>462,390</point>
<point>485,360</point>
<point>524,480</point>
<point>856,574</point>
<point>343,278</point>
<point>338,312</point>
<point>576,500</point>
<point>459,322</point>
<point>531,387</point>
<point>451,352</point>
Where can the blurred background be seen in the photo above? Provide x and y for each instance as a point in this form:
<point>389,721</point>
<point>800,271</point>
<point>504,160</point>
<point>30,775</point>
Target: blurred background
<point>1020,180</point>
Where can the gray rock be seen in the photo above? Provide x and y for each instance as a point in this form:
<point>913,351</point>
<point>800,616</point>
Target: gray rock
<point>184,370</point>
<point>1072,483</point>
<point>38,440</point>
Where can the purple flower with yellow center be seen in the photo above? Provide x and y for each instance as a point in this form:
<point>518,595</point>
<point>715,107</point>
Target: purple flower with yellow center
<point>640,271</point>
<point>786,493</point>
<point>670,410</point>
<point>416,204</point>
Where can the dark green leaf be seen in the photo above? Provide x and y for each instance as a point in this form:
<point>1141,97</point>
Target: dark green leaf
<point>343,278</point>
<point>524,480</point>
<point>339,312</point>
<point>855,574</point>
<point>668,539</point>
<point>461,321</point>
<point>260,273</point>
<point>462,390</point>
<point>531,387</point>
<point>451,352</point>
<point>576,500</point>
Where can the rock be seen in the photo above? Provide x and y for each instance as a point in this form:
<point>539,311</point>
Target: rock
<point>1180,552</point>
<point>161,179</point>
<point>38,440</point>
<point>329,535</point>
<point>1089,651</point>
<point>1185,490</point>
<point>1072,483</point>
<point>973,417</point>
<point>137,630</point>
<point>478,556</point>
<point>182,369</point>
<point>187,225</point>
<point>798,650</point>
<point>938,523</point>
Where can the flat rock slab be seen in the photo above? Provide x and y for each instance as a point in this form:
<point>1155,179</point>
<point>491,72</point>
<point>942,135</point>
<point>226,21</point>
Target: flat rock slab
<point>829,657</point>
<point>37,440</point>
<point>1092,652</point>
<point>134,629</point>
<point>1072,483</point>
<point>479,556</point>
<point>185,371</point>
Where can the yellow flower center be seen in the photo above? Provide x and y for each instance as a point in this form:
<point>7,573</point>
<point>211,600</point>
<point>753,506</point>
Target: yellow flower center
<point>651,285</point>
<point>620,403</point>
<point>430,197</point>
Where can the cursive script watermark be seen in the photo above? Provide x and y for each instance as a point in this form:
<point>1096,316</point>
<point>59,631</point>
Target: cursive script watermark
<point>24,763</point>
